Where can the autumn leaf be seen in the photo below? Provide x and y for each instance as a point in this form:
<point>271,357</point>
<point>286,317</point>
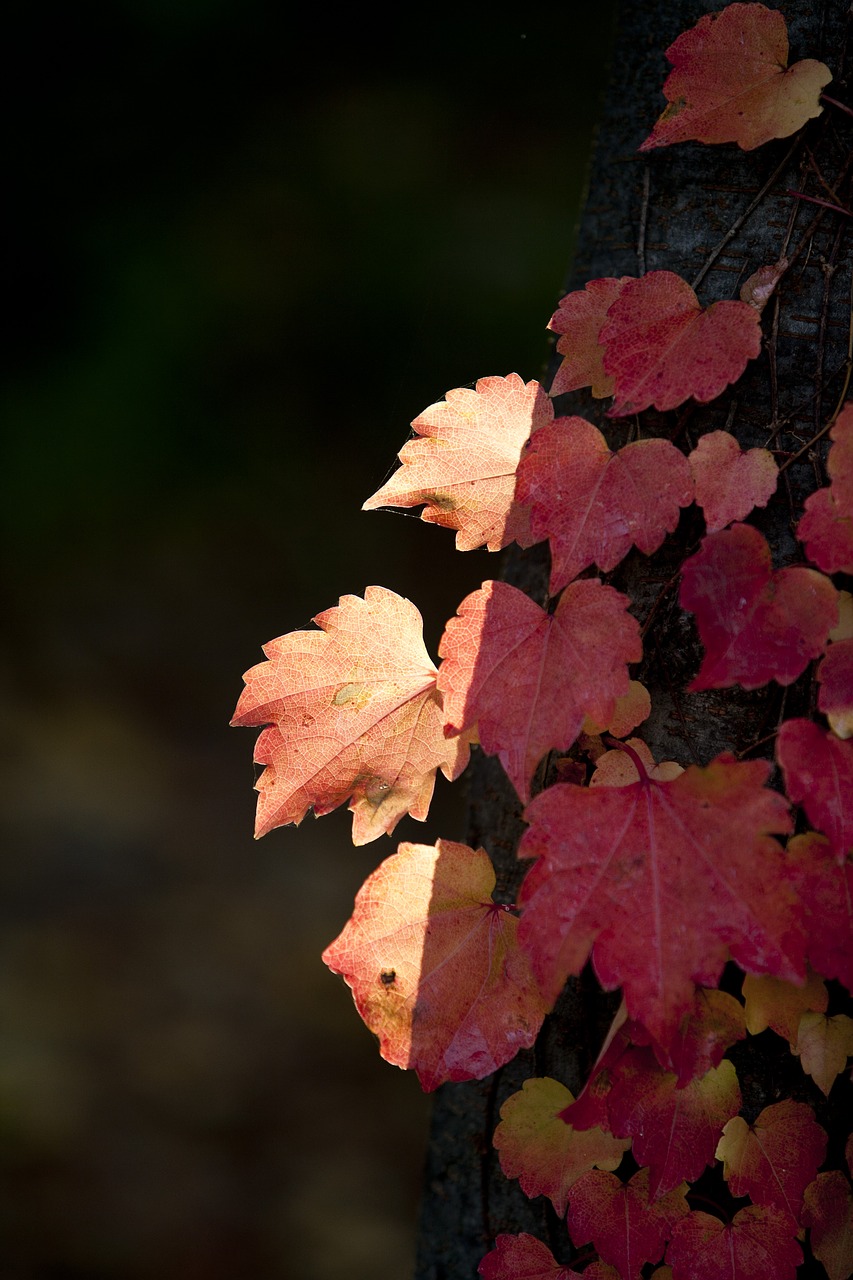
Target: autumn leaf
<point>661,347</point>
<point>835,675</point>
<point>675,1131</point>
<point>461,468</point>
<point>773,1160</point>
<point>826,528</point>
<point>825,892</point>
<point>631,709</point>
<point>528,678</point>
<point>579,320</point>
<point>729,482</point>
<point>544,1152</point>
<point>593,505</point>
<point>730,82</point>
<point>616,768</point>
<point>522,1257</point>
<point>353,714</point>
<point>759,1243</point>
<point>770,1002</point>
<point>818,771</point>
<point>759,288</point>
<point>617,1217</point>
<point>828,1213</point>
<point>714,1022</point>
<point>659,880</point>
<point>756,623</point>
<point>823,1046</point>
<point>435,967</point>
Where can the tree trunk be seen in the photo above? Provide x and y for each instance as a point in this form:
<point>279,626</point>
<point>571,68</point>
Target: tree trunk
<point>712,214</point>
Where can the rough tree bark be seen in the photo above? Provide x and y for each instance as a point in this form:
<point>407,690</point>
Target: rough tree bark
<point>712,214</point>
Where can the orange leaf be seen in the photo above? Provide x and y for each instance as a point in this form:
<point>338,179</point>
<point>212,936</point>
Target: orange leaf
<point>771,1002</point>
<point>579,320</point>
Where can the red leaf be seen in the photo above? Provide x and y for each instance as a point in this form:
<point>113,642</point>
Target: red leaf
<point>354,715</point>
<point>827,525</point>
<point>818,770</point>
<point>463,466</point>
<point>434,965</point>
<point>662,346</point>
<point>675,1131</point>
<point>731,82</point>
<point>835,699</point>
<point>544,1152</point>
<point>825,891</point>
<point>528,677</point>
<point>758,1244</point>
<point>828,1212</point>
<point>729,482</point>
<point>715,1022</point>
<point>579,320</point>
<point>773,1160</point>
<point>659,880</point>
<point>625,1228</point>
<point>522,1257</point>
<point>756,624</point>
<point>594,505</point>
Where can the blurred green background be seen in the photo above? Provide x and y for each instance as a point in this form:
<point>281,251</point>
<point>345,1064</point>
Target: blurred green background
<point>248,245</point>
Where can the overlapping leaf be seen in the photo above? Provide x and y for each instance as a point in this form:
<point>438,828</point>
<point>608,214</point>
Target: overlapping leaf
<point>818,770</point>
<point>625,1228</point>
<point>835,698</point>
<point>827,525</point>
<point>543,1151</point>
<point>435,967</point>
<point>462,467</point>
<point>758,1243</point>
<point>661,347</point>
<point>730,82</point>
<point>730,481</point>
<point>823,1046</point>
<point>659,880</point>
<point>756,623</point>
<point>527,677</point>
<point>773,1160</point>
<point>828,1213</point>
<point>593,505</point>
<point>579,320</point>
<point>770,1002</point>
<point>353,714</point>
<point>825,894</point>
<point>522,1257</point>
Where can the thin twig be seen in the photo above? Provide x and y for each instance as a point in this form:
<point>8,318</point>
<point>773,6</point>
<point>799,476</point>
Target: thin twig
<point>826,204</point>
<point>644,217</point>
<point>833,102</point>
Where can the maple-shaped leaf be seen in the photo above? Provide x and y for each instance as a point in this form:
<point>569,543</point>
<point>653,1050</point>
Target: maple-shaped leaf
<point>757,624</point>
<point>818,770</point>
<point>528,678</point>
<point>828,1213</point>
<point>770,1002</point>
<point>435,967</point>
<point>675,1131</point>
<point>758,1244</point>
<point>579,320</point>
<point>773,1160</point>
<point>353,714</point>
<point>823,1046</point>
<point>662,347</point>
<point>626,1229</point>
<point>593,505</point>
<point>825,892</point>
<point>660,880</point>
<point>522,1257</point>
<point>730,82</point>
<point>730,481</point>
<point>713,1023</point>
<point>631,709</point>
<point>544,1152</point>
<point>462,467</point>
<point>826,528</point>
<point>835,699</point>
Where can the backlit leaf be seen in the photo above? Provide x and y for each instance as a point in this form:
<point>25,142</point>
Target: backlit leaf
<point>579,320</point>
<point>823,1046</point>
<point>626,1229</point>
<point>773,1160</point>
<point>758,1244</point>
<point>729,481</point>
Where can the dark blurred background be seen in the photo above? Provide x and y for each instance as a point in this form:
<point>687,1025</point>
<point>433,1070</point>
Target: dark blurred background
<point>248,244</point>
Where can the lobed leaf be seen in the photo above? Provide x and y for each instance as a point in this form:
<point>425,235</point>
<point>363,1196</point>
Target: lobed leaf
<point>828,1213</point>
<point>823,1046</point>
<point>626,1228</point>
<point>522,1257</point>
<point>818,772</point>
<point>759,1243</point>
<point>773,1160</point>
<point>579,320</point>
<point>825,893</point>
<point>729,482</point>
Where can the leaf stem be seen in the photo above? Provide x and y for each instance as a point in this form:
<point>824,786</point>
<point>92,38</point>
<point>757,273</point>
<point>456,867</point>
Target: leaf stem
<point>629,751</point>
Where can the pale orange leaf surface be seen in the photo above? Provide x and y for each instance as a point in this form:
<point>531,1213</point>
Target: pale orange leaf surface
<point>462,466</point>
<point>773,1160</point>
<point>616,768</point>
<point>543,1151</point>
<point>593,505</point>
<point>823,1046</point>
<point>631,709</point>
<point>729,481</point>
<point>663,347</point>
<point>435,967</point>
<point>579,320</point>
<point>730,82</point>
<point>779,1005</point>
<point>828,1213</point>
<point>353,714</point>
<point>826,528</point>
<point>528,678</point>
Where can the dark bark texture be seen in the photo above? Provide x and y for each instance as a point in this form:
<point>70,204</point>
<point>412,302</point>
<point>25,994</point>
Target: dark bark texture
<point>713,215</point>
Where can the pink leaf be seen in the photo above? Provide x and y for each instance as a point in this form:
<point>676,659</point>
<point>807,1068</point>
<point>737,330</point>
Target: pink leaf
<point>579,320</point>
<point>758,1244</point>
<point>818,771</point>
<point>625,1228</point>
<point>730,482</point>
<point>825,891</point>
